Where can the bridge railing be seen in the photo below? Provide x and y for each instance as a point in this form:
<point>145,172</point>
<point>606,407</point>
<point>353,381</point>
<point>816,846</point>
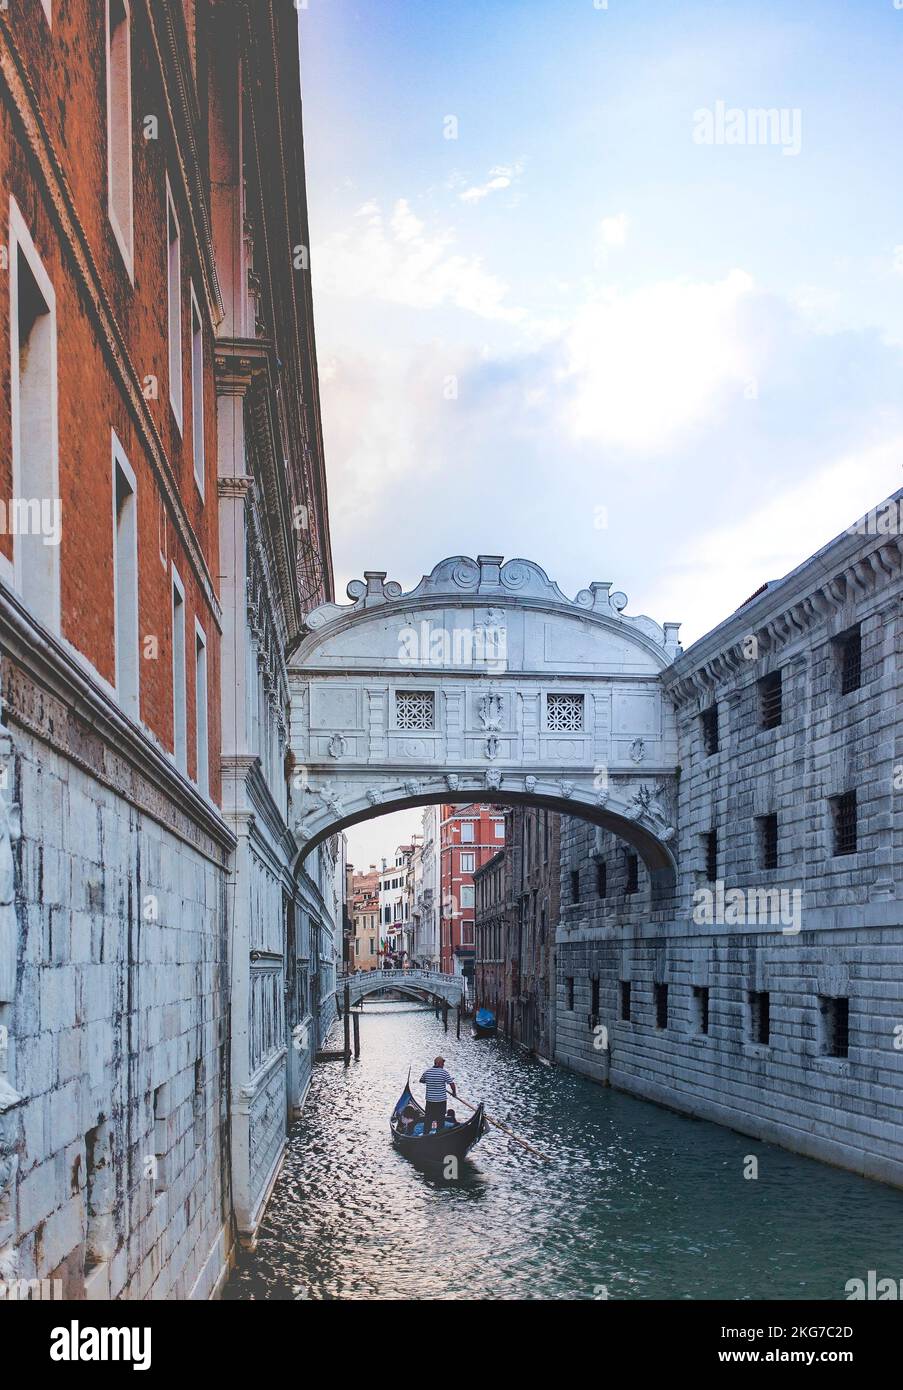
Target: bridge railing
<point>402,974</point>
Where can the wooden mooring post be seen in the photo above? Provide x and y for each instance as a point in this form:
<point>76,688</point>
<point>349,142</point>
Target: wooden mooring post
<point>458,1021</point>
<point>356,1020</point>
<point>346,1023</point>
<point>445,1015</point>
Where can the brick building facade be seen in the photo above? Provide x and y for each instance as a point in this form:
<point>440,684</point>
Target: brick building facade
<point>469,835</point>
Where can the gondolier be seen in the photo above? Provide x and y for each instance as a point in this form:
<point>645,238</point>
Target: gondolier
<point>436,1079</point>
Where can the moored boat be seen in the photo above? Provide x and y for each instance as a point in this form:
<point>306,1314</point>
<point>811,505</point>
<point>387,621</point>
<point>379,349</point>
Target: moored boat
<point>451,1142</point>
<point>485,1024</point>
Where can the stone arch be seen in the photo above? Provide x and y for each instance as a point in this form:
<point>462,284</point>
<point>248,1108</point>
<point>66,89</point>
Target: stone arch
<point>485,683</point>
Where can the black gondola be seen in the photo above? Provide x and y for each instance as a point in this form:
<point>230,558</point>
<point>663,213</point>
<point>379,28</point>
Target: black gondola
<point>485,1024</point>
<point>453,1141</point>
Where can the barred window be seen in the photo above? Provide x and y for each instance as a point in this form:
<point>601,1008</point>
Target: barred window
<point>849,656</point>
<point>770,700</point>
<point>701,1007</point>
<point>569,992</point>
<point>575,885</point>
<point>661,1006</point>
<point>633,874</point>
<point>601,880</point>
<point>625,1001</point>
<point>768,841</point>
<point>710,729</point>
<point>711,855</point>
<point>843,812</point>
<point>564,713</point>
<point>759,1016</point>
<point>415,709</point>
<point>835,1026</point>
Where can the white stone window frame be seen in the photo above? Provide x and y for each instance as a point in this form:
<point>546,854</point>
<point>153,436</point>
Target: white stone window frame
<point>130,700</point>
<point>179,697</point>
<point>175,350</point>
<point>125,236</point>
<point>201,712</point>
<point>198,445</point>
<point>398,699</point>
<point>548,696</point>
<point>20,242</point>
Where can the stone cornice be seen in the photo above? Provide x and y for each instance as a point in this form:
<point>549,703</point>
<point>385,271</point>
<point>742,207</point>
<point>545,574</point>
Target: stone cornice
<point>243,363</point>
<point>245,770</point>
<point>127,759</point>
<point>490,581</point>
<point>276,120</point>
<point>239,487</point>
<point>45,161</point>
<point>851,567</point>
<point>167,27</point>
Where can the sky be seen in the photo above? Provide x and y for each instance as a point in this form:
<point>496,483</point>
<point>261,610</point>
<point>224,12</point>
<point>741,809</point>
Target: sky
<point>574,303</point>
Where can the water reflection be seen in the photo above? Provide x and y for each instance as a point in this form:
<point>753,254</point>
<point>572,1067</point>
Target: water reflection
<point>634,1202</point>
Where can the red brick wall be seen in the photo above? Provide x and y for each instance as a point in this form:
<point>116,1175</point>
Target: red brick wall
<point>66,66</point>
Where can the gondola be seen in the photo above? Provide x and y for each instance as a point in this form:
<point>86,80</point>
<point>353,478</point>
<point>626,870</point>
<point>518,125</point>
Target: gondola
<point>453,1141</point>
<point>485,1024</point>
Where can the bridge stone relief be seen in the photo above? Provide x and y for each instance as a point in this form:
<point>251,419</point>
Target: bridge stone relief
<point>485,682</point>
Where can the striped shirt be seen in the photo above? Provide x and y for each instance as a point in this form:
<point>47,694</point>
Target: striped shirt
<point>435,1079</point>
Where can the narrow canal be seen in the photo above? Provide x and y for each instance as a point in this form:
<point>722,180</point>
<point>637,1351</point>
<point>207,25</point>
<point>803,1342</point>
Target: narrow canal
<point>634,1202</point>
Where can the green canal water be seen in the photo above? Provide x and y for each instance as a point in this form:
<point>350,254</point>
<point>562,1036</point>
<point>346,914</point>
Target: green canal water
<point>635,1202</point>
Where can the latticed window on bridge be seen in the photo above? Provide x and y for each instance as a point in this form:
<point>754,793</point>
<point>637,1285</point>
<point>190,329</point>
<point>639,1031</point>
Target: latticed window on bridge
<point>415,709</point>
<point>564,713</point>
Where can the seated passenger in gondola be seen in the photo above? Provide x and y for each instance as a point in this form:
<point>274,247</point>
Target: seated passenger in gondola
<point>407,1120</point>
<point>451,1118</point>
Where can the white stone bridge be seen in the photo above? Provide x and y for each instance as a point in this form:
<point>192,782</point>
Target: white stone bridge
<point>485,683</point>
<point>433,984</point>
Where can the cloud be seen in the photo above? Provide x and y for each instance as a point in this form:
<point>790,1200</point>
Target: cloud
<point>710,577</point>
<point>402,262</point>
<point>613,230</point>
<point>650,364</point>
<point>500,176</point>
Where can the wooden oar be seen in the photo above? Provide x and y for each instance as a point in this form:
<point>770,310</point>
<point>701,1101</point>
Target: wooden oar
<point>505,1130</point>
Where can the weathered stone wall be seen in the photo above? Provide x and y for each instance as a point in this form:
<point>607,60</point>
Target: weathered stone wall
<point>838,933</point>
<point>117,1042</point>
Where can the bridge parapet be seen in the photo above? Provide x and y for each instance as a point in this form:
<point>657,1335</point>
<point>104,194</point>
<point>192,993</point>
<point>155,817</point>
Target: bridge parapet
<point>432,983</point>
